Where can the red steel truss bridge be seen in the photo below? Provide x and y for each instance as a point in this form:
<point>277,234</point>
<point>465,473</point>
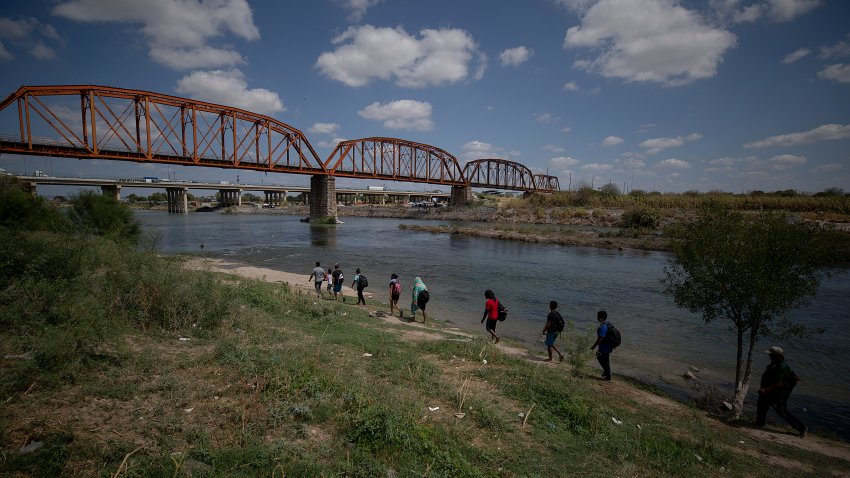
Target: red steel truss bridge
<point>99,122</point>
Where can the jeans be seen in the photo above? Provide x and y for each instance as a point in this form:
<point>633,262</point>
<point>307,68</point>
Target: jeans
<point>604,359</point>
<point>360,298</point>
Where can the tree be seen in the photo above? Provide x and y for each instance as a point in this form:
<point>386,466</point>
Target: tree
<point>102,215</point>
<point>749,270</point>
<point>610,190</point>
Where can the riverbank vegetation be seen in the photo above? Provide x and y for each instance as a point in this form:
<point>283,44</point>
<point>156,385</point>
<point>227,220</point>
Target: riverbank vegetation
<point>120,362</point>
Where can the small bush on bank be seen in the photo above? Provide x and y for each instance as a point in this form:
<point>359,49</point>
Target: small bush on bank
<point>641,217</point>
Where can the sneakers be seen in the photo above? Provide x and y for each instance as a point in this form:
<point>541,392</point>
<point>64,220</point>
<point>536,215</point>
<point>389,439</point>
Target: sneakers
<point>803,432</point>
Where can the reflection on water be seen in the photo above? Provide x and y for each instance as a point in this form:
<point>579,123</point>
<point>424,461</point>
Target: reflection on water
<point>660,340</point>
<point>323,235</point>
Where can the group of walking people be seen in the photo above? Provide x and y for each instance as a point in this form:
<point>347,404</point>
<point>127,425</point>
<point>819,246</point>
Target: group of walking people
<point>335,280</point>
<point>776,384</point>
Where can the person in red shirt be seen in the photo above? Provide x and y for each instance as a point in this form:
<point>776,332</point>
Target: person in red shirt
<point>491,313</point>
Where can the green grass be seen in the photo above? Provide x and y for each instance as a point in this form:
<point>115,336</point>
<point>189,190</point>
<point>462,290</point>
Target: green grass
<point>274,382</point>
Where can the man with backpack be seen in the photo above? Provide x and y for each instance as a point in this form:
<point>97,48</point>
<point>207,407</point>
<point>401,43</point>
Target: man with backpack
<point>554,326</point>
<point>777,381</point>
<point>359,283</point>
<point>607,339</point>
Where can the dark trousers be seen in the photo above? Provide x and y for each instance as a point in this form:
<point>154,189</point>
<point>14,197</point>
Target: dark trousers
<point>604,359</point>
<point>780,404</point>
<point>360,296</point>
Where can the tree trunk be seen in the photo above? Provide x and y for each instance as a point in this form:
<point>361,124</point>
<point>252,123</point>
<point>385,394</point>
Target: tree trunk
<point>742,381</point>
<point>740,387</point>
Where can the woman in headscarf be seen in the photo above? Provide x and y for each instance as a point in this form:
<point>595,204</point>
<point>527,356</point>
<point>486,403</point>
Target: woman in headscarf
<point>419,299</point>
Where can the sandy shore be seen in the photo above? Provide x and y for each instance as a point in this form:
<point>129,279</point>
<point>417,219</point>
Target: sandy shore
<point>300,281</point>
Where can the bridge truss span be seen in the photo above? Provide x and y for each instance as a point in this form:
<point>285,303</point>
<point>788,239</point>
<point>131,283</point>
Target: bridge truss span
<point>98,122</point>
<point>498,173</point>
<point>395,160</point>
<point>546,183</point>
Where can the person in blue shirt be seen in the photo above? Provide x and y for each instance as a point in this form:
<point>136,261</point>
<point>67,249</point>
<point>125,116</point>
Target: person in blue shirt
<point>603,355</point>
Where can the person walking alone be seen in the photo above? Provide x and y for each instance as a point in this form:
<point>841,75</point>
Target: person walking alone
<point>491,314</point>
<point>318,275</point>
<point>777,381</point>
<point>603,355</point>
<point>359,283</point>
<point>554,326</point>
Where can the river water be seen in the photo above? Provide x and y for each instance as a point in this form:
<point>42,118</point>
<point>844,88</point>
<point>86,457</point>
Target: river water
<point>660,341</point>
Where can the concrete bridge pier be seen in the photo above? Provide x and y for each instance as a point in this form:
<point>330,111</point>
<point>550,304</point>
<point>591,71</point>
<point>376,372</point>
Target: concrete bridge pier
<point>275,198</point>
<point>461,195</point>
<point>112,190</point>
<point>177,200</point>
<point>322,197</point>
<point>230,197</point>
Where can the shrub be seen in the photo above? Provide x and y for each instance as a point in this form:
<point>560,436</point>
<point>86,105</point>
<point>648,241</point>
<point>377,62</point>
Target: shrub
<point>641,216</point>
<point>21,210</point>
<point>102,215</point>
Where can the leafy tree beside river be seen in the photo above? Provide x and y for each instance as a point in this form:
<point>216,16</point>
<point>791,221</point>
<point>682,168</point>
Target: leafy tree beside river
<point>750,270</point>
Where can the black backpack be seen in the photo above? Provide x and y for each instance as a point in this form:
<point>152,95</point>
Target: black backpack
<point>612,337</point>
<point>503,310</point>
<point>558,321</point>
<point>423,297</point>
<point>363,282</point>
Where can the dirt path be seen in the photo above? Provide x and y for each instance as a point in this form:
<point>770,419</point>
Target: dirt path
<point>419,331</point>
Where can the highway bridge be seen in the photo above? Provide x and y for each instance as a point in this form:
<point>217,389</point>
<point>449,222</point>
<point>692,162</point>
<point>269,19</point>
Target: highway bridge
<point>100,122</point>
<point>229,194</point>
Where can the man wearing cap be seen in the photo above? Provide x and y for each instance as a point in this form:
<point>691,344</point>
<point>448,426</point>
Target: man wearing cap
<point>777,381</point>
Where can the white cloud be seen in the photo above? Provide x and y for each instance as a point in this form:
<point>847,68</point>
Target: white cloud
<point>839,50</point>
<point>331,144</point>
<point>358,8</point>
<point>364,53</point>
<point>825,132</point>
<point>228,87</point>
<point>491,108</point>
<point>17,29</point>
<point>566,129</point>
<point>795,55</point>
<point>323,128</point>
<point>649,41</point>
<point>838,72</point>
<point>4,53</point>
<point>571,86</point>
<point>779,163</point>
<point>786,10</point>
<point>552,148</point>
<point>562,162</point>
<point>673,163</point>
<point>479,150</point>
<point>515,56</point>
<point>612,141</point>
<point>546,118</point>
<point>28,34</point>
<point>175,30</point>
<point>194,58</point>
<point>633,163</point>
<point>400,114</point>
<point>597,167</point>
<point>829,168</point>
<point>42,52</point>
<point>656,145</point>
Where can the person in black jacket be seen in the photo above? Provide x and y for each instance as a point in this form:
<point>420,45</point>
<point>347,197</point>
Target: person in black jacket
<point>777,381</point>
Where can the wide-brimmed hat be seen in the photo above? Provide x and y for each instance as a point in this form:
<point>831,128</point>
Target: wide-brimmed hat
<point>775,350</point>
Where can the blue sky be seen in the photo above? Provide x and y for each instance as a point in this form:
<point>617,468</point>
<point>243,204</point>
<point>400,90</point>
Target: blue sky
<point>735,95</point>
